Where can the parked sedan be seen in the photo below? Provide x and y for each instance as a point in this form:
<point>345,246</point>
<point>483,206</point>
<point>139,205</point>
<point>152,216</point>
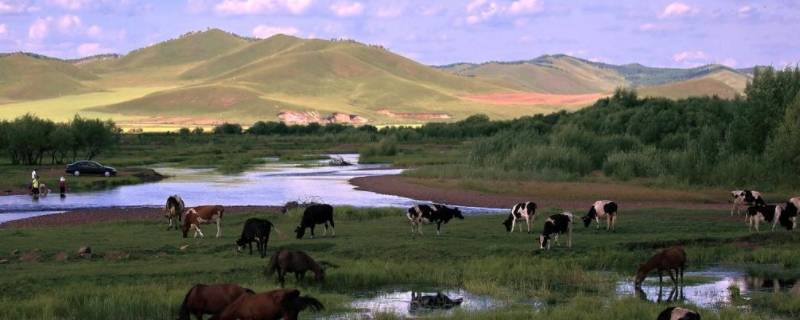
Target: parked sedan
<point>90,167</point>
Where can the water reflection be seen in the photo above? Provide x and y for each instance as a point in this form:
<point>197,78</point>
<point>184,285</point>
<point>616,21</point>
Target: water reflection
<point>708,289</point>
<point>406,304</point>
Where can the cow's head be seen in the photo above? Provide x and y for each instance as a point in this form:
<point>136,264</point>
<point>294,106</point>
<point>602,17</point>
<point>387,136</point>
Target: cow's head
<point>240,243</point>
<point>300,231</point>
<point>543,239</point>
<point>641,274</point>
<point>587,220</point>
<point>457,213</point>
<point>508,222</point>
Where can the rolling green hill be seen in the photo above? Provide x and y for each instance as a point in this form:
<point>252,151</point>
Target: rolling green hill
<point>28,77</point>
<point>563,74</point>
<point>213,76</point>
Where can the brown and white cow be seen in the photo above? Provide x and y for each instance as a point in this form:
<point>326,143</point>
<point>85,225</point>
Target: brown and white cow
<point>746,198</point>
<point>521,211</point>
<point>174,209</point>
<point>196,216</point>
<point>602,209</point>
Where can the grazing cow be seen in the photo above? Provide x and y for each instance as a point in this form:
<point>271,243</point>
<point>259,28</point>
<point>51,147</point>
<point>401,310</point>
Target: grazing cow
<point>426,213</point>
<point>313,215</point>
<point>209,299</point>
<point>173,209</point>
<point>678,313</point>
<point>673,258</point>
<point>283,304</point>
<point>199,215</point>
<point>255,230</point>
<point>602,209</point>
<point>795,201</point>
<point>785,214</point>
<point>555,225</point>
<point>520,211</point>
<point>746,198</point>
<point>297,262</point>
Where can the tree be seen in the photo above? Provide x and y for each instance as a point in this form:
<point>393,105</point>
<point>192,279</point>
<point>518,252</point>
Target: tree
<point>93,136</point>
<point>784,147</point>
<point>228,128</point>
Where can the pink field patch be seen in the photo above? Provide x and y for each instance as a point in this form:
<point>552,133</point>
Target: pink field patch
<point>532,98</point>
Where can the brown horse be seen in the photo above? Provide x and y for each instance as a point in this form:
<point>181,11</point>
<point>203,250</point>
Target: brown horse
<point>209,299</point>
<point>297,262</point>
<point>673,258</point>
<point>272,305</point>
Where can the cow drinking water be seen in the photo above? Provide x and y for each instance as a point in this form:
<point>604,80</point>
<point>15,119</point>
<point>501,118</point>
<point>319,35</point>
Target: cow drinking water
<point>555,225</point>
<point>200,215</point>
<point>602,209</point>
<point>174,210</point>
<point>521,211</point>
<point>427,213</point>
<point>255,230</point>
<point>313,215</point>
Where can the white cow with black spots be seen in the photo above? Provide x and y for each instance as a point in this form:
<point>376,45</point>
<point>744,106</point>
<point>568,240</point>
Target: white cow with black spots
<point>602,209</point>
<point>746,198</point>
<point>521,211</point>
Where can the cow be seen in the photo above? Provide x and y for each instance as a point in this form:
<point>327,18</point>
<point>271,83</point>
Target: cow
<point>795,201</point>
<point>428,213</point>
<point>785,214</point>
<point>196,216</point>
<point>678,313</point>
<point>520,211</point>
<point>313,215</point>
<point>746,198</point>
<point>174,209</point>
<point>255,230</point>
<point>555,225</point>
<point>602,209</point>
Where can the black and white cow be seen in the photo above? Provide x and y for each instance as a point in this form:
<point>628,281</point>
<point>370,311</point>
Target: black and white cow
<point>255,230</point>
<point>555,225</point>
<point>521,211</point>
<point>785,214</point>
<point>746,198</point>
<point>427,213</point>
<point>313,215</point>
<point>678,313</point>
<point>602,209</point>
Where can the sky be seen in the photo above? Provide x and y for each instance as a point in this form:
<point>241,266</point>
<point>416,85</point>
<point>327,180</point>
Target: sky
<point>667,33</point>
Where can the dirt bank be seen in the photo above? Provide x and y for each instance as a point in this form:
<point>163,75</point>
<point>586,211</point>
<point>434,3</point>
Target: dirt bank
<point>87,216</point>
<point>564,195</point>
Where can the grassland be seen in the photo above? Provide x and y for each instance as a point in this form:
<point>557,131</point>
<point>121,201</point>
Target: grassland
<point>143,273</point>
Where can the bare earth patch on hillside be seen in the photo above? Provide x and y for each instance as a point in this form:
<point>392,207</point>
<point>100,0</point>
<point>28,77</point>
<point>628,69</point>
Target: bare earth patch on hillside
<point>533,98</point>
<point>414,115</point>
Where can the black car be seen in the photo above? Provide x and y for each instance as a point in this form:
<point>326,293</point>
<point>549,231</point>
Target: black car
<point>90,167</point>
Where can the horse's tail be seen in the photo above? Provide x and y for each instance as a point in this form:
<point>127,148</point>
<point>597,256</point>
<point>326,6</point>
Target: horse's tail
<point>272,266</point>
<point>298,303</point>
<point>183,313</point>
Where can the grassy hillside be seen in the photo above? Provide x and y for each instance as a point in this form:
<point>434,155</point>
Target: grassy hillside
<point>26,77</point>
<point>562,74</point>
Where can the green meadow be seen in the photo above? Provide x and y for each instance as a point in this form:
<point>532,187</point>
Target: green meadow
<point>139,270</point>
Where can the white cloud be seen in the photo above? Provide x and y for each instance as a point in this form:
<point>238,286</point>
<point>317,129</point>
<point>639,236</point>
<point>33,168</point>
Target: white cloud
<point>677,9</point>
<point>265,31</point>
<point>71,4</point>
<point>90,49</point>
<point>652,27</point>
<point>39,29</point>
<point>3,30</point>
<point>68,22</point>
<point>390,12</point>
<point>746,11</point>
<point>94,31</point>
<point>690,56</point>
<point>525,6</point>
<point>242,7</point>
<point>197,6</point>
<point>347,9</point>
<point>7,6</point>
<point>483,10</point>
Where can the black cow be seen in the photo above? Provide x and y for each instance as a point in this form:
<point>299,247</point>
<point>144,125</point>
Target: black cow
<point>426,213</point>
<point>255,230</point>
<point>678,313</point>
<point>555,225</point>
<point>313,215</point>
<point>521,211</point>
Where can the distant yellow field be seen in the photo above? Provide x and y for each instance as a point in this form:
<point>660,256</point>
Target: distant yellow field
<point>65,107</point>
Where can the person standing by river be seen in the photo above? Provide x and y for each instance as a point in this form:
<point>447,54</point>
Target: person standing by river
<point>34,174</point>
<point>62,186</point>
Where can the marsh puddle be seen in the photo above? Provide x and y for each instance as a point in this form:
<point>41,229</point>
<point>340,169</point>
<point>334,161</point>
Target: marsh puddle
<point>399,303</point>
<point>710,288</point>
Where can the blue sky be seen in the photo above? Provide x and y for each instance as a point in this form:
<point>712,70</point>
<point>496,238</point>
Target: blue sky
<point>658,33</point>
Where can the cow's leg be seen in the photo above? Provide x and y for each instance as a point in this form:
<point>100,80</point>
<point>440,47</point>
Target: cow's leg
<point>596,223</point>
<point>673,278</point>
<point>660,278</point>
<point>281,277</point>
<point>219,229</point>
<point>198,231</point>
<point>250,244</point>
<point>333,229</point>
<point>775,220</point>
<point>733,207</point>
<point>312,230</point>
<point>569,235</point>
<point>170,223</point>
<point>325,229</point>
<point>513,222</point>
<point>438,227</point>
<point>528,222</point>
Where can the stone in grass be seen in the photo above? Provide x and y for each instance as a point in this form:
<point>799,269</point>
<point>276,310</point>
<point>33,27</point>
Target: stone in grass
<point>85,252</point>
